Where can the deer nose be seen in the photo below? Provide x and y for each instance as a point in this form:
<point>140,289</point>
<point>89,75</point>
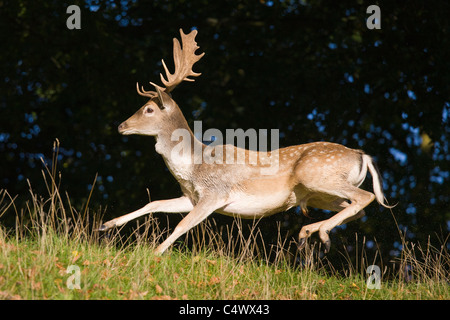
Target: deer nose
<point>122,126</point>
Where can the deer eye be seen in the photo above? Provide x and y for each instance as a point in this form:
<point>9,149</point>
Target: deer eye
<point>148,110</point>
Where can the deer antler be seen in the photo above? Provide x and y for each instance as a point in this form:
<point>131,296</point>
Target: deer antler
<point>149,94</point>
<point>184,59</point>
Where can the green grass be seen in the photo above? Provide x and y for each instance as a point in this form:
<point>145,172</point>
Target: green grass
<point>50,235</point>
<point>35,268</point>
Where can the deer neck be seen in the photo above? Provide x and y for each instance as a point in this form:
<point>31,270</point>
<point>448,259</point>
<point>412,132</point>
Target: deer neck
<point>180,149</point>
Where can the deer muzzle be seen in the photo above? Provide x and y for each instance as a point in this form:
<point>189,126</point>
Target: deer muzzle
<point>122,127</point>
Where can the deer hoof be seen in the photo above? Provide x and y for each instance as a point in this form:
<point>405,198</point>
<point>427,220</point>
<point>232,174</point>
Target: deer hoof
<point>106,226</point>
<point>301,243</point>
<point>102,228</point>
<point>327,244</point>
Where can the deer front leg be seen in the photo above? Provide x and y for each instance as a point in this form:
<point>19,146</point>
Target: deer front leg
<point>200,212</point>
<point>178,205</point>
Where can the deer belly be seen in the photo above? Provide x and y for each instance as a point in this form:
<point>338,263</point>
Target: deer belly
<point>256,206</point>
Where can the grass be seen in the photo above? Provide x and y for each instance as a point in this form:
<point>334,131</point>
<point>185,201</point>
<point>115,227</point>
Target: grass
<point>36,268</point>
<point>50,236</point>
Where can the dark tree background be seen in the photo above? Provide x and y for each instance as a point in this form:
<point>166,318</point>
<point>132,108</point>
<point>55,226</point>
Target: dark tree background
<point>310,68</point>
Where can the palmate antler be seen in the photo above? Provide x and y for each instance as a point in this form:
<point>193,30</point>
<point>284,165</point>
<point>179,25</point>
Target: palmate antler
<point>184,59</point>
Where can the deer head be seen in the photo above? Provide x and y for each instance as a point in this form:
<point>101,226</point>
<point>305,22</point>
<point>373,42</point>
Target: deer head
<point>161,110</point>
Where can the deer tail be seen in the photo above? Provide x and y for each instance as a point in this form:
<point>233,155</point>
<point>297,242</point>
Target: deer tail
<point>377,182</point>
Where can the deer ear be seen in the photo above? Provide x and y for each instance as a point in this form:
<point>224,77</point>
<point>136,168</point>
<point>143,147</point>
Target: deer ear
<point>164,98</point>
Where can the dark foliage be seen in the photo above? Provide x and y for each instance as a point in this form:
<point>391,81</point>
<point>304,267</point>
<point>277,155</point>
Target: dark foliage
<point>310,68</point>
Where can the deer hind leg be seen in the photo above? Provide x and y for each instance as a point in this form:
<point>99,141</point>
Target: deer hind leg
<point>359,200</point>
<point>309,229</point>
<point>347,212</point>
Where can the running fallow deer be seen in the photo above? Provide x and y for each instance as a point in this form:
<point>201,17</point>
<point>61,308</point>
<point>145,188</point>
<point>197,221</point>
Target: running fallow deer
<point>320,174</point>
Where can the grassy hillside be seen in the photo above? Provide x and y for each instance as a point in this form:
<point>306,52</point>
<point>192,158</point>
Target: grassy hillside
<point>36,268</point>
<point>53,253</point>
